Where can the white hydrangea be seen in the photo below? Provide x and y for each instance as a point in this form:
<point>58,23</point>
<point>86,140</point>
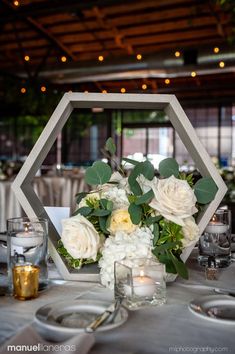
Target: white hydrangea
<point>135,245</point>
<point>118,197</point>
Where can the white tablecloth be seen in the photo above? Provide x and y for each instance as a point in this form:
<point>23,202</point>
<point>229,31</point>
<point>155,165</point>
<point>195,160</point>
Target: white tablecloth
<point>168,328</point>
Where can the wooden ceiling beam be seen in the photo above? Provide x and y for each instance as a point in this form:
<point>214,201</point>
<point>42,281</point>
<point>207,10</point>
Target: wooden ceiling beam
<point>58,6</point>
<point>46,33</point>
<point>53,39</point>
<point>118,38</point>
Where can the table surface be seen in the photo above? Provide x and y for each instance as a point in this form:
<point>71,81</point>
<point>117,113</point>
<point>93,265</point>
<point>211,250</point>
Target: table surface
<point>161,329</point>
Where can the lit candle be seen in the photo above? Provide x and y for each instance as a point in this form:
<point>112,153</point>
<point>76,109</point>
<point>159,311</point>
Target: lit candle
<point>216,227</point>
<point>28,238</point>
<point>143,286</point>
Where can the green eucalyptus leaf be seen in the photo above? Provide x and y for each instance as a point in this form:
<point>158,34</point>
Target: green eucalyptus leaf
<point>133,162</point>
<point>205,190</point>
<point>166,246</point>
<point>180,267</point>
<point>110,146</point>
<point>145,198</point>
<point>101,212</point>
<point>85,211</point>
<point>134,185</point>
<point>106,204</point>
<point>108,220</point>
<point>147,170</point>
<point>165,259</point>
<point>98,173</point>
<point>109,205</point>
<point>135,212</point>
<point>169,167</point>
<point>102,223</point>
<point>153,219</point>
<point>155,233</point>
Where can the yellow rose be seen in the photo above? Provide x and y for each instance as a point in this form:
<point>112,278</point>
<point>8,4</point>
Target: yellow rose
<point>121,221</point>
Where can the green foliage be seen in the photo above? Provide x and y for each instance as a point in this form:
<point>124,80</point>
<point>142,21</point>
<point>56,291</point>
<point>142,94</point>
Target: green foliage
<point>135,212</point>
<point>189,178</point>
<point>132,162</point>
<point>110,146</point>
<point>142,168</point>
<point>169,167</point>
<point>145,198</point>
<point>98,173</point>
<point>205,190</point>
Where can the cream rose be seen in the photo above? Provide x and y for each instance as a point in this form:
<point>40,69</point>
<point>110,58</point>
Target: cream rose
<point>80,237</point>
<point>121,221</point>
<point>190,232</point>
<point>174,199</point>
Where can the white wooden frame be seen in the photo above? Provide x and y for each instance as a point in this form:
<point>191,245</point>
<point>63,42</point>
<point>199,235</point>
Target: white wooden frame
<point>32,206</point>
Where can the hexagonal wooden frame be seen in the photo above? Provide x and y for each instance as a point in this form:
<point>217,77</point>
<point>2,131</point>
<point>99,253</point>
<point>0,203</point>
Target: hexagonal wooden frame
<point>32,206</point>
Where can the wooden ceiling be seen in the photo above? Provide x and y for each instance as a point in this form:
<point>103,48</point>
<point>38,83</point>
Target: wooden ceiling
<point>81,31</point>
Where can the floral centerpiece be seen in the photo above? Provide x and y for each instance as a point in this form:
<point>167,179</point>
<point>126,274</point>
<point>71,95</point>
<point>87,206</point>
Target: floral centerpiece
<point>139,216</point>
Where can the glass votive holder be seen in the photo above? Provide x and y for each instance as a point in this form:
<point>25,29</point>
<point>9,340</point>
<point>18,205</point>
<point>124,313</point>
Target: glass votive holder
<point>27,239</point>
<point>25,281</point>
<point>140,282</point>
<point>216,240</point>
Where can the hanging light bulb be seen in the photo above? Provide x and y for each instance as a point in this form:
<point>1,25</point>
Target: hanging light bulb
<point>43,89</point>
<point>63,59</point>
<point>123,90</point>
<point>23,90</point>
<point>167,81</point>
<point>144,87</point>
<point>138,56</point>
<point>27,58</point>
<point>100,58</point>
<point>221,64</point>
<point>177,54</point>
<point>193,74</point>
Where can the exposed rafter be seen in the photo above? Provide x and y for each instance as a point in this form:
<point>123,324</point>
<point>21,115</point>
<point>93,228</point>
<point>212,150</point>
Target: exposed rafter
<point>45,32</point>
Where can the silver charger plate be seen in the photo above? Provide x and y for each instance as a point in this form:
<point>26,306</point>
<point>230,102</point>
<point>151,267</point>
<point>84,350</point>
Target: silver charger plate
<point>61,320</point>
<point>218,308</point>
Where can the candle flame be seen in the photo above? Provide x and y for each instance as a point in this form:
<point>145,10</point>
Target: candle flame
<point>26,228</point>
<point>141,273</point>
<point>214,218</point>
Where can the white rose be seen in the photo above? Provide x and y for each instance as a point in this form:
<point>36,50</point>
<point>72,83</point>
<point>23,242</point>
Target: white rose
<point>80,238</point>
<point>190,232</point>
<point>174,199</point>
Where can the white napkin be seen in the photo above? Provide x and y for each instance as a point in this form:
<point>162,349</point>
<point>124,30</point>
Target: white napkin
<point>25,340</point>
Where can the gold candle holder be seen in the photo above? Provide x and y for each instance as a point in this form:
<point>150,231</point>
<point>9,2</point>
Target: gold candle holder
<point>25,281</point>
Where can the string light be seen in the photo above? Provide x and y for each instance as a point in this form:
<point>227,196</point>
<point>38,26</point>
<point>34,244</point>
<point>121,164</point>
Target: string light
<point>144,87</point>
<point>221,64</point>
<point>16,3</point>
<point>63,59</point>
<point>100,58</point>
<point>27,58</point>
<point>123,90</point>
<point>138,56</point>
<point>216,50</point>
<point>193,73</point>
<point>104,91</point>
<point>177,54</point>
<point>43,88</point>
<point>23,90</point>
<point>167,81</point>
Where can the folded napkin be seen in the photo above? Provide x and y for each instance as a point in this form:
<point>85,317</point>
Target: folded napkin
<point>29,341</point>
